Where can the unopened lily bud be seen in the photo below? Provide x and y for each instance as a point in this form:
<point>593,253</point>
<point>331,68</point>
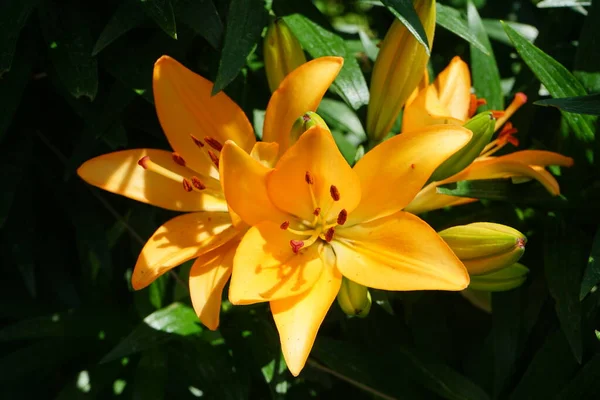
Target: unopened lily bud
<point>282,53</point>
<point>504,279</point>
<point>304,123</point>
<point>397,71</point>
<point>354,299</point>
<point>484,247</point>
<point>482,125</point>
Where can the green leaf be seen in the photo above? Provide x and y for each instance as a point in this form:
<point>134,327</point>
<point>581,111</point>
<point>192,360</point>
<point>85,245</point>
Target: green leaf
<point>406,13</point>
<point>586,384</point>
<point>495,31</point>
<point>159,327</point>
<point>338,115</point>
<point>486,77</point>
<point>161,11</point>
<point>13,84</point>
<point>370,48</point>
<point>550,369</point>
<point>345,147</point>
<point>587,57</point>
<point>15,160</point>
<point>151,375</point>
<point>591,277</point>
<point>451,19</point>
<point>564,258</point>
<point>70,45</point>
<point>506,328</point>
<point>245,22</point>
<point>203,18</point>
<point>127,17</point>
<point>503,190</point>
<point>562,3</point>
<point>350,84</point>
<point>557,79</point>
<point>13,16</point>
<point>589,104</point>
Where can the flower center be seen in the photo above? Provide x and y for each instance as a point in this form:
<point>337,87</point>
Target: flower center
<point>507,133</point>
<point>190,182</point>
<point>320,227</point>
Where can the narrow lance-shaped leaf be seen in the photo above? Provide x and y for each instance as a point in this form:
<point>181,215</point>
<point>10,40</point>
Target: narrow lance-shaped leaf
<point>451,19</point>
<point>13,16</point>
<point>203,18</point>
<point>245,22</point>
<point>557,79</point>
<point>591,276</point>
<point>579,105</point>
<point>126,17</point>
<point>350,84</point>
<point>161,11</point>
<point>486,77</point>
<point>405,12</point>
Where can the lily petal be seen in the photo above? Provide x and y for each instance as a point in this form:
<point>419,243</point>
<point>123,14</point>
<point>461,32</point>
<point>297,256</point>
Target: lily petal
<point>185,107</point>
<point>298,318</point>
<point>428,200</point>
<point>265,153</point>
<point>244,181</point>
<point>398,252</point>
<point>538,157</point>
<point>395,171</point>
<point>454,88</point>
<point>208,276</point>
<point>120,173</point>
<point>266,268</point>
<point>316,153</point>
<point>178,240</point>
<point>425,110</point>
<point>300,91</point>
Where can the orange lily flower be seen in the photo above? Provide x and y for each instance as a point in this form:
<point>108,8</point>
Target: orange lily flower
<point>449,101</point>
<point>314,219</point>
<point>197,125</point>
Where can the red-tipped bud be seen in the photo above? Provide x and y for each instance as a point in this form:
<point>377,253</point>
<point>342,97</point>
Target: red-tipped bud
<point>214,143</point>
<point>284,225</point>
<point>178,159</point>
<point>187,186</point>
<point>143,162</point>
<point>342,217</point>
<point>198,184</point>
<point>329,235</point>
<point>335,193</point>
<point>296,245</point>
<point>308,178</point>
<point>213,158</point>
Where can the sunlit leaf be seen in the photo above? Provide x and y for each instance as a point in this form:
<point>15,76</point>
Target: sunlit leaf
<point>451,19</point>
<point>405,12</point>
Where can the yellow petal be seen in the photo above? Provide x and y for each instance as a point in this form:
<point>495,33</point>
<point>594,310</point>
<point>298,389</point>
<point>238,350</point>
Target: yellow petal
<point>454,88</point>
<point>266,268</point>
<point>178,240</point>
<point>496,168</point>
<point>208,276</point>
<point>425,110</point>
<point>422,85</point>
<point>185,107</point>
<point>398,252</point>
<point>393,172</point>
<point>244,181</point>
<point>120,173</point>
<point>265,153</point>
<point>428,200</point>
<point>316,153</point>
<point>300,91</point>
<point>298,318</point>
<point>538,157</point>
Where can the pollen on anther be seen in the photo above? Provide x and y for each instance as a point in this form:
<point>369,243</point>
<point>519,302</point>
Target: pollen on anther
<point>178,159</point>
<point>334,192</point>
<point>214,143</point>
<point>198,184</point>
<point>308,178</point>
<point>197,141</point>
<point>342,217</point>
<point>412,166</point>
<point>143,162</point>
<point>187,186</point>
<point>296,245</point>
<point>317,211</point>
<point>214,158</point>
<point>284,225</point>
<point>329,234</point>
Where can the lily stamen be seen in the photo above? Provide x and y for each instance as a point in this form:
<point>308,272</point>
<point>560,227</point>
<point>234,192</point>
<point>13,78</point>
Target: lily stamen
<point>214,143</point>
<point>195,185</point>
<point>329,235</point>
<point>475,103</point>
<point>178,159</point>
<point>213,158</point>
<point>518,101</point>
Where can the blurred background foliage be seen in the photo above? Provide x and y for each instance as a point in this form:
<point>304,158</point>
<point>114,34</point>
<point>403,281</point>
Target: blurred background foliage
<point>76,82</point>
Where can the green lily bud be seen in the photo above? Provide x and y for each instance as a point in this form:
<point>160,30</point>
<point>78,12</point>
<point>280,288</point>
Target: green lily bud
<point>354,299</point>
<point>282,53</point>
<point>304,123</point>
<point>482,125</point>
<point>507,278</point>
<point>484,247</point>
